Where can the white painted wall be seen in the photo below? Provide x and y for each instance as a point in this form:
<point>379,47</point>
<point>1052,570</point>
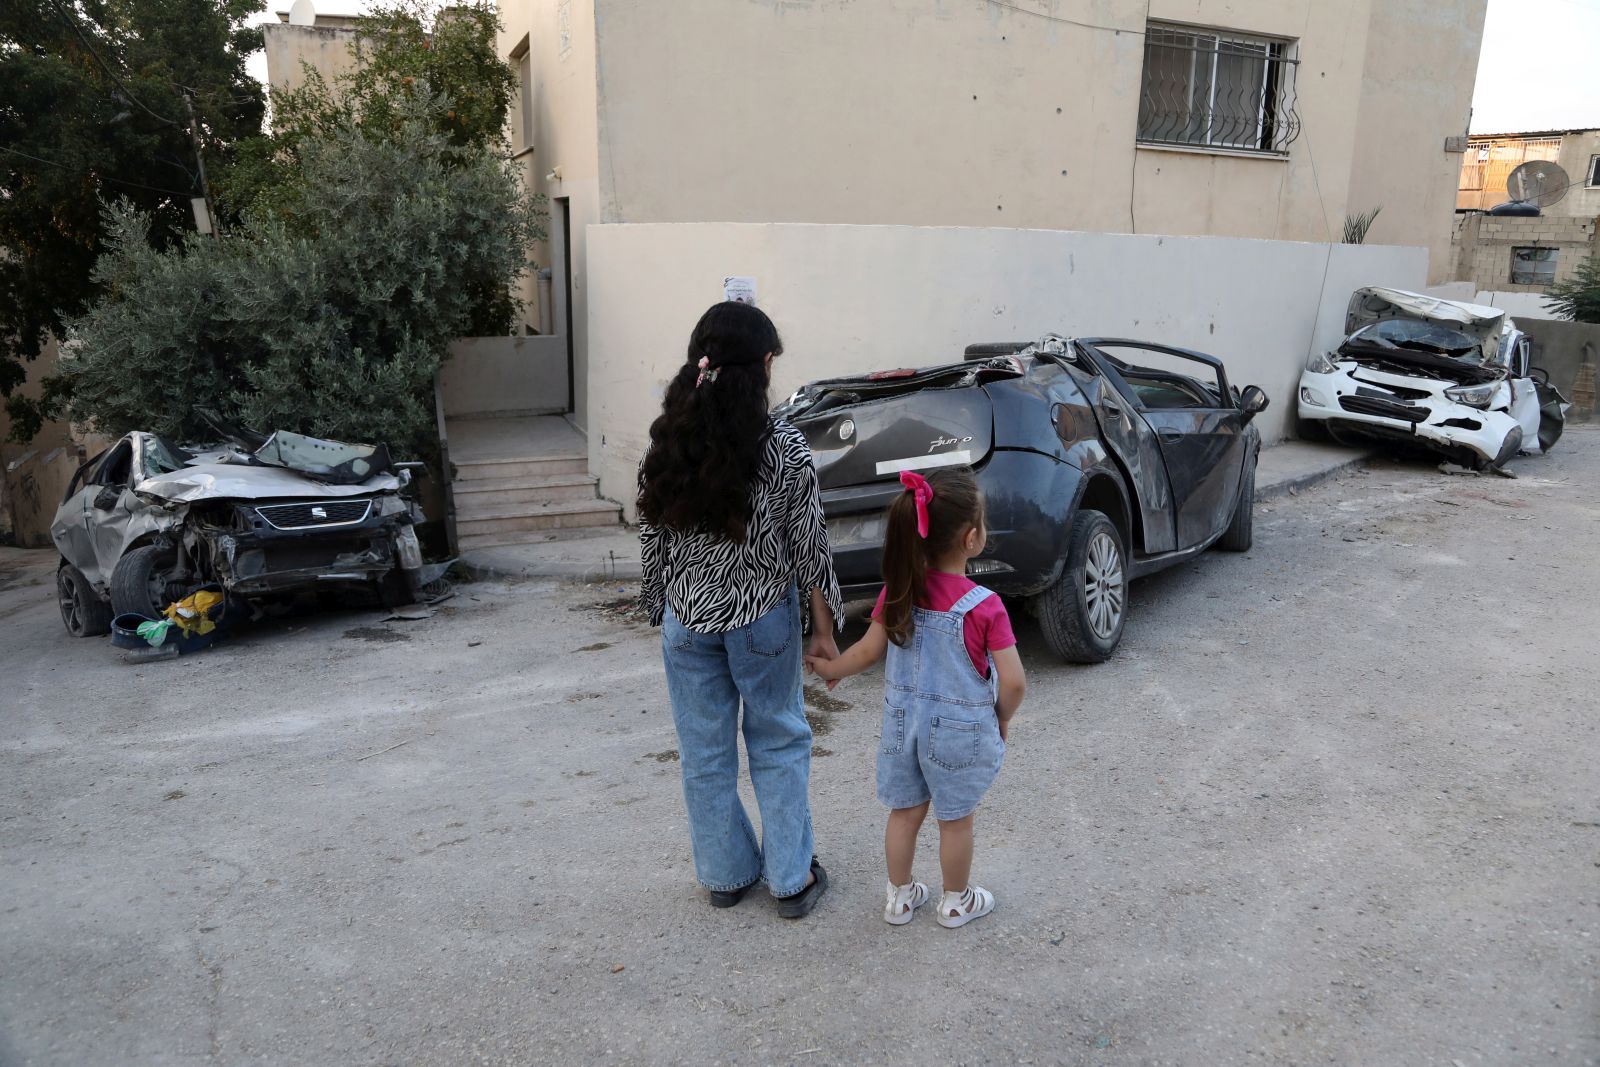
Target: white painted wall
<point>856,298</point>
<point>504,376</point>
<point>1517,305</point>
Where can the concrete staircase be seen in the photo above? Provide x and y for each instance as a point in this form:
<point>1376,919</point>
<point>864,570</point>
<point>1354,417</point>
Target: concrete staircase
<point>523,480</point>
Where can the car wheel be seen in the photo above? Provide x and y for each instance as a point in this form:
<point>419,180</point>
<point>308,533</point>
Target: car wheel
<point>139,581</point>
<point>1083,613</point>
<point>1241,531</point>
<point>83,613</point>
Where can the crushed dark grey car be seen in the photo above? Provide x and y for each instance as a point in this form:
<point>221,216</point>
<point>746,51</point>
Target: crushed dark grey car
<point>1096,469</point>
<point>146,522</point>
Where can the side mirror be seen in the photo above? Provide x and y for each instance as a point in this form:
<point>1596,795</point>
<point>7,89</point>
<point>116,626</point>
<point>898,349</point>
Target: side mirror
<point>1252,402</point>
<point>107,497</point>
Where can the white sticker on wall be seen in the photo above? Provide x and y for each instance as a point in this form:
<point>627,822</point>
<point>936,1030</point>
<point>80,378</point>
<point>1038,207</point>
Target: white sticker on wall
<point>739,289</point>
<point>564,28</point>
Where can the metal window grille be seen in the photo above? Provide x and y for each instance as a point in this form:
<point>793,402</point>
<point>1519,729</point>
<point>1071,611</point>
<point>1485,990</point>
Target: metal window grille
<point>1533,266</point>
<point>1218,90</point>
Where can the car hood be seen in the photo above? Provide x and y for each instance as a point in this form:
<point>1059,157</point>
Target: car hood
<point>1482,323</point>
<point>216,480</point>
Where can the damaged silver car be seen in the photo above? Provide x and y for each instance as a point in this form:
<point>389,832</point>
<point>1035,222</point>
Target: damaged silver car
<point>146,522</point>
<point>1447,376</point>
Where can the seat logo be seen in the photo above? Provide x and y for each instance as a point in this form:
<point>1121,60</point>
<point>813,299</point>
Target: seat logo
<point>319,513</point>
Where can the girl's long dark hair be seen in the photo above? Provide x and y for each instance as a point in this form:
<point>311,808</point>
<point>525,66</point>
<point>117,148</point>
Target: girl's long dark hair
<point>956,505</point>
<point>706,445</point>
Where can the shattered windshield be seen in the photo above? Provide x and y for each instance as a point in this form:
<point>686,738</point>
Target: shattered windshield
<point>162,457</point>
<point>1411,335</point>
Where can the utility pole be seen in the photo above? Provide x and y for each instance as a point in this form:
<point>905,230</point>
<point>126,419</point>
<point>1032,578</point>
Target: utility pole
<point>200,160</point>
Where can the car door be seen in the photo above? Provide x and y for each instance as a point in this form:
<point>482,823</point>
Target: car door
<point>70,529</point>
<point>108,506</point>
<point>1199,428</point>
<point>1135,444</point>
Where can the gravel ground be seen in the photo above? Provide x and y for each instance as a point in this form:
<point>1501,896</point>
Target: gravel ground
<point>1334,801</point>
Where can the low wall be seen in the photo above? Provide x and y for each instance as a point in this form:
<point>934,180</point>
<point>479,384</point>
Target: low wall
<point>1520,306</point>
<point>487,376</point>
<point>35,481</point>
<point>1561,348</point>
<point>855,298</point>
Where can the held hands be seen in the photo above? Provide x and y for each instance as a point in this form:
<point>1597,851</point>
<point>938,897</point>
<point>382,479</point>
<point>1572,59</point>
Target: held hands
<point>822,652</point>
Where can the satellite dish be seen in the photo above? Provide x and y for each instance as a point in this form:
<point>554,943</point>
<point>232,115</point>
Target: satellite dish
<point>302,13</point>
<point>1538,182</point>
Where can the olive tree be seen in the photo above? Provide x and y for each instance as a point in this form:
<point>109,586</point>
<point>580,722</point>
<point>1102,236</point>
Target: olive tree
<point>327,313</point>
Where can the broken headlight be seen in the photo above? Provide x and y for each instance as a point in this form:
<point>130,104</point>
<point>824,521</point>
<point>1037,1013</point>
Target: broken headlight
<point>1321,363</point>
<point>1474,396</point>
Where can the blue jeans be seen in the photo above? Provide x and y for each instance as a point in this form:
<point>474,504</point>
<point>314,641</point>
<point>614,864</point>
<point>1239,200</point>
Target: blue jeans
<point>707,676</point>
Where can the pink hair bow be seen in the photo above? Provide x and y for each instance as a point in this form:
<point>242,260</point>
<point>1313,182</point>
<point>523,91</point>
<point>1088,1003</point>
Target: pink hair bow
<point>922,493</point>
<point>708,373</point>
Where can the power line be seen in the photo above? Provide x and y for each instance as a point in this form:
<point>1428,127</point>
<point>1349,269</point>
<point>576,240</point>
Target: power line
<point>96,174</point>
<point>72,23</point>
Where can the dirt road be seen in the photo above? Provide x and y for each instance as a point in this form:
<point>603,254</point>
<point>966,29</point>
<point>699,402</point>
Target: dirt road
<point>1335,801</point>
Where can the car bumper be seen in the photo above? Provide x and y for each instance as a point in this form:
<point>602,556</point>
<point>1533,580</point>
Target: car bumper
<point>1028,500</point>
<point>1369,404</point>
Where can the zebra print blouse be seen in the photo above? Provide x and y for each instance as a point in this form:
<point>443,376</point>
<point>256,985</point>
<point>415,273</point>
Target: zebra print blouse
<point>715,585</point>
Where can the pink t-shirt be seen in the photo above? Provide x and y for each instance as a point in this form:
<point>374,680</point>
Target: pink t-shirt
<point>988,627</point>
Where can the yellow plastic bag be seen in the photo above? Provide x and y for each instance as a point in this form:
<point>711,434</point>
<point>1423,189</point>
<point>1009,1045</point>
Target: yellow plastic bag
<point>192,614</point>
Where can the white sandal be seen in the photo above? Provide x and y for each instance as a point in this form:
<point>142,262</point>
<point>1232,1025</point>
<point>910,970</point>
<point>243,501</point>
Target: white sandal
<point>903,902</point>
<point>958,909</point>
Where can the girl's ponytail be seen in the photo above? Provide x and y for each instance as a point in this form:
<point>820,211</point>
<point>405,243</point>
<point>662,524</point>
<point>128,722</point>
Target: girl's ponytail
<point>951,504</point>
<point>905,568</point>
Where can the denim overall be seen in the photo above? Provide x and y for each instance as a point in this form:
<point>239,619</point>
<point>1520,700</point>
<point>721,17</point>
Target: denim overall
<point>940,735</point>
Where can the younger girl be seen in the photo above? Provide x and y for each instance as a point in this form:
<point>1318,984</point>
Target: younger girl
<point>952,683</point>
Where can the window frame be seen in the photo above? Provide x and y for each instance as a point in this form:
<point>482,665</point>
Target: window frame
<point>1275,119</point>
<point>1593,180</point>
<point>522,57</point>
<point>1553,256</point>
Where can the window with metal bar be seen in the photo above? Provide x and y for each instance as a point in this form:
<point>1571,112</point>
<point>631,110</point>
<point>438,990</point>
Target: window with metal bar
<point>1531,265</point>
<point>1217,90</point>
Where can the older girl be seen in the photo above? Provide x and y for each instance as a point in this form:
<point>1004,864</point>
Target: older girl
<point>734,549</point>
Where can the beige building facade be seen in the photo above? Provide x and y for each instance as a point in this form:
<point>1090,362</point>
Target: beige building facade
<point>328,44</point>
<point>1490,158</point>
<point>1268,119</point>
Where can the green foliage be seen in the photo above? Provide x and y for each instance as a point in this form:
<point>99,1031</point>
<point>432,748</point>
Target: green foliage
<point>403,47</point>
<point>73,132</point>
<point>1578,298</point>
<point>1357,225</point>
<point>329,319</point>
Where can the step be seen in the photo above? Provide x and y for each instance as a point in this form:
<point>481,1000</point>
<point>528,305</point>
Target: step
<point>491,492</point>
<point>575,536</point>
<point>559,516</point>
<point>542,466</point>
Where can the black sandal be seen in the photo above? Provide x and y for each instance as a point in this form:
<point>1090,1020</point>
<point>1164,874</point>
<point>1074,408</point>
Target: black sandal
<point>799,905</point>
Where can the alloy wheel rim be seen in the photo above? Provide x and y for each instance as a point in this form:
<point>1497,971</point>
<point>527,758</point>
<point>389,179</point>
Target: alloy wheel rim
<point>67,594</point>
<point>1103,585</point>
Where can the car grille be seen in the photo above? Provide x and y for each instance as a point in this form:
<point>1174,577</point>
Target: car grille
<point>1388,409</point>
<point>315,513</point>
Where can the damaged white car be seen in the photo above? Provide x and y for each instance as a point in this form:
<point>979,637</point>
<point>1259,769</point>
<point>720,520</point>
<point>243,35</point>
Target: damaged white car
<point>1444,375</point>
<point>146,522</point>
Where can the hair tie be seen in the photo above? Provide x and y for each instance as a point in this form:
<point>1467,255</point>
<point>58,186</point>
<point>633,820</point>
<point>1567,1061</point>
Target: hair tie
<point>708,373</point>
<point>922,493</point>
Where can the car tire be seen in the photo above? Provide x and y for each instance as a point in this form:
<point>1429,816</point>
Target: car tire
<point>1083,613</point>
<point>137,579</point>
<point>83,613</point>
<point>1240,533</point>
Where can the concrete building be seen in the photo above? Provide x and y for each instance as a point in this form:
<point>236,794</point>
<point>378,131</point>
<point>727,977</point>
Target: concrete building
<point>1244,118</point>
<point>698,133</point>
<point>1491,157</point>
<point>328,44</point>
